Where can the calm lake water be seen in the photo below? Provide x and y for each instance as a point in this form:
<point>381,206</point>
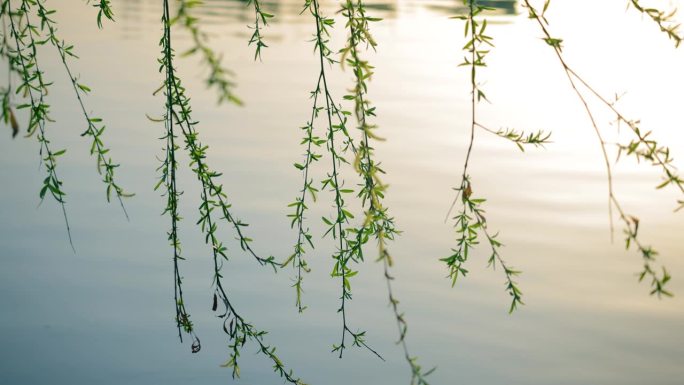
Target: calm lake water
<point>104,315</point>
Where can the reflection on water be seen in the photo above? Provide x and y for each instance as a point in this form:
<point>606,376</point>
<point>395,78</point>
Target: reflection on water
<point>218,11</point>
<point>134,15</point>
<point>502,7</point>
<point>105,314</point>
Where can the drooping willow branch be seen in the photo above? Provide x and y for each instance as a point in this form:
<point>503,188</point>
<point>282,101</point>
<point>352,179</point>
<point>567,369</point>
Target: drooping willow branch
<point>168,170</point>
<point>178,114</point>
<point>24,62</point>
<point>260,20</point>
<point>219,77</point>
<point>300,206</point>
<point>470,219</point>
<point>641,147</point>
<point>105,165</point>
<point>104,9</point>
<point>33,84</point>
<point>349,249</point>
<point>666,20</point>
<point>377,222</point>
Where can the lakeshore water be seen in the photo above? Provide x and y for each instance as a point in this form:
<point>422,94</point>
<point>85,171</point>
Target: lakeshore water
<point>104,315</point>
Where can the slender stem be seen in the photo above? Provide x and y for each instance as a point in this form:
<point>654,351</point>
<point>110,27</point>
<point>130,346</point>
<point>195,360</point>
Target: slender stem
<point>39,109</point>
<point>92,130</point>
<point>631,224</point>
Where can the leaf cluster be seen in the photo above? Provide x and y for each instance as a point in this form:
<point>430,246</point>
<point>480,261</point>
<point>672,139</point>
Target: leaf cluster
<point>377,224</point>
<point>219,77</point>
<point>666,20</point>
<point>212,198</point>
<point>641,147</point>
<point>33,86</point>
<point>260,20</point>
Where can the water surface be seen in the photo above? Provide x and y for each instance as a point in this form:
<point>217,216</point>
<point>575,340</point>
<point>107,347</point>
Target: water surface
<point>104,315</point>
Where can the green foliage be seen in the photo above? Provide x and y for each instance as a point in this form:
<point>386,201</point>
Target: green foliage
<point>95,128</point>
<point>326,133</point>
<point>338,142</point>
<point>470,222</point>
<point>641,147</point>
<point>303,235</point>
<point>377,222</point>
<point>219,78</point>
<point>32,84</point>
<point>167,178</point>
<point>23,62</point>
<point>665,20</point>
<point>521,138</point>
<point>260,20</point>
<point>7,113</point>
<point>104,9</point>
<point>212,197</point>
